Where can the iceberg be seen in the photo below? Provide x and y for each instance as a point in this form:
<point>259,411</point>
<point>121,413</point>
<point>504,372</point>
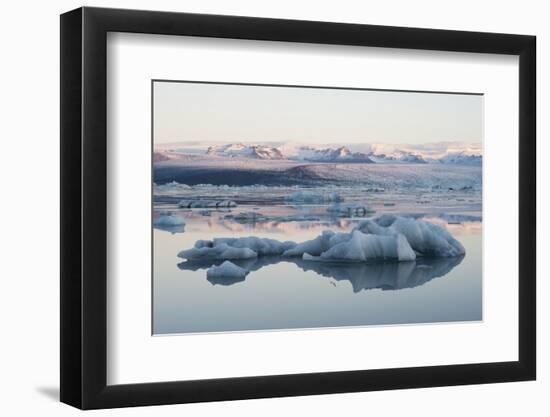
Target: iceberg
<point>226,274</point>
<point>310,197</point>
<point>385,238</point>
<point>246,217</point>
<point>350,210</point>
<point>207,204</point>
<point>168,219</point>
<point>459,218</point>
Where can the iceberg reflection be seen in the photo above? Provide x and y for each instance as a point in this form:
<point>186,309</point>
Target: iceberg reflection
<point>362,276</point>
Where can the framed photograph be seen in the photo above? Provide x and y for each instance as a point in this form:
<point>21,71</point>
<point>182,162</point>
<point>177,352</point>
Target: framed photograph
<point>258,207</point>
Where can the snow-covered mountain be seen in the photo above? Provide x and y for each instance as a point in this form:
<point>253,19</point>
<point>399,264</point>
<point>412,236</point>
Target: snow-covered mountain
<point>340,154</point>
<point>460,158</point>
<point>400,157</point>
<point>160,156</point>
<point>437,153</point>
<point>301,153</point>
<point>245,151</point>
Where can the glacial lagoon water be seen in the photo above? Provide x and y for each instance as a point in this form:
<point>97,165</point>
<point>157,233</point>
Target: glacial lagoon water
<point>295,294</point>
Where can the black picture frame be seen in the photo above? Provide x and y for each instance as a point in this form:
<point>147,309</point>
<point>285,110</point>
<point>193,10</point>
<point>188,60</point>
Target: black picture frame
<point>84,207</point>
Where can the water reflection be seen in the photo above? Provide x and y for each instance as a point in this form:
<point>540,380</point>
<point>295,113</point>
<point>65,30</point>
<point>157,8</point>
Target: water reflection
<point>362,276</point>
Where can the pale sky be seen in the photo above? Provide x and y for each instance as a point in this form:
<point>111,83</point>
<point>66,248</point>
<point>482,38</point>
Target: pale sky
<point>230,113</point>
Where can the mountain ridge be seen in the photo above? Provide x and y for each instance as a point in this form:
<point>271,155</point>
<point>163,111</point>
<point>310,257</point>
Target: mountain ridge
<point>377,154</point>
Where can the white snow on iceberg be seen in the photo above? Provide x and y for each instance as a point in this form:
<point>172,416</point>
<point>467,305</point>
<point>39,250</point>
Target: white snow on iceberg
<point>262,246</point>
<point>316,246</point>
<point>221,251</point>
<point>427,239</point>
<point>361,247</point>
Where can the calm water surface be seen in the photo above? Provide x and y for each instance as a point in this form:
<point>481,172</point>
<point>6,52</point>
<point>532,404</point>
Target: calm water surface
<point>292,294</point>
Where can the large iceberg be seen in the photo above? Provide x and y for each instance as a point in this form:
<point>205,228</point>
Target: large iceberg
<point>385,238</point>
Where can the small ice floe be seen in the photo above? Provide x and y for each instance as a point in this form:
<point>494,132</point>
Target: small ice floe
<point>248,217</point>
<point>169,222</point>
<point>459,218</point>
<point>310,197</point>
<point>227,273</point>
<point>207,204</point>
<point>255,217</point>
<point>168,219</point>
<point>350,210</point>
<point>297,218</point>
